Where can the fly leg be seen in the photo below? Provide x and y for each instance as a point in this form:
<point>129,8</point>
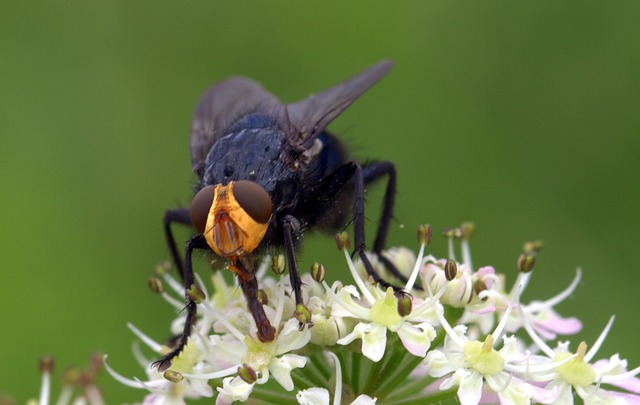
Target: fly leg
<point>249,284</point>
<point>196,242</point>
<point>181,216</point>
<point>351,176</point>
<point>372,172</point>
<point>291,228</point>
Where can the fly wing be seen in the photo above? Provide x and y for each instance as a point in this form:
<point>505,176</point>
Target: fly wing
<point>218,107</point>
<point>309,117</point>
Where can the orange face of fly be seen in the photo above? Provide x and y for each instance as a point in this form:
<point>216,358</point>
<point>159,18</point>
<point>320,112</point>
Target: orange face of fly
<point>233,218</point>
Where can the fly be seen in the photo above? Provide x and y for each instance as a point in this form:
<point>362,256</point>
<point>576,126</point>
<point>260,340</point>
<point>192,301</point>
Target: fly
<point>268,171</point>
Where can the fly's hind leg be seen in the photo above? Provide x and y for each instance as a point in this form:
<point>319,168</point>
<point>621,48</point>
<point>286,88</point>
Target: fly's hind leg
<point>370,173</point>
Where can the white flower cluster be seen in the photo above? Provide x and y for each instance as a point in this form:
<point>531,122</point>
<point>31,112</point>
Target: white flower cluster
<point>451,331</point>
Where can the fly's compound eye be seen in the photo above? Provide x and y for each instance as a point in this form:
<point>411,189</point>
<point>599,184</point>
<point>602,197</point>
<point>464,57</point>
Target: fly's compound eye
<point>200,206</point>
<point>253,199</point>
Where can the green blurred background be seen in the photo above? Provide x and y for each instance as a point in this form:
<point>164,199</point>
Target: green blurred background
<point>522,117</point>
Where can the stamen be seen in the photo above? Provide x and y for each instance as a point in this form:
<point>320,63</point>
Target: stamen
<point>416,269</point>
<point>215,315</point>
<point>356,277</point>
<point>174,284</point>
<point>280,307</point>
<point>438,309</point>
<point>121,379</point>
<point>516,300</point>
<point>215,375</point>
<point>541,344</point>
<point>201,284</point>
<point>600,340</point>
<point>466,253</point>
<point>153,345</point>
<point>46,368</point>
<point>174,302</point>
<point>553,301</point>
<point>137,354</point>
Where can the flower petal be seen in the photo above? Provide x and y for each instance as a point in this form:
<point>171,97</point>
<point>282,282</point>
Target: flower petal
<point>313,396</point>
<point>470,390</point>
<point>281,369</point>
<point>417,338</point>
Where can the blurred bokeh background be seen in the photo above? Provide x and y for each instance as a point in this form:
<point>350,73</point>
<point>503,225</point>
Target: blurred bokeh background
<point>522,117</point>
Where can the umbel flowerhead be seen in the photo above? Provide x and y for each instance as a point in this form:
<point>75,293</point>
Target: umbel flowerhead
<point>449,330</point>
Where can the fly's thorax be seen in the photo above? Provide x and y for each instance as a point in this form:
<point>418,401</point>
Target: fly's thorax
<point>260,154</point>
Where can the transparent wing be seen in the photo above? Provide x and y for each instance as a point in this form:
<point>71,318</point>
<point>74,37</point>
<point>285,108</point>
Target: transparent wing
<point>219,106</point>
<point>310,116</point>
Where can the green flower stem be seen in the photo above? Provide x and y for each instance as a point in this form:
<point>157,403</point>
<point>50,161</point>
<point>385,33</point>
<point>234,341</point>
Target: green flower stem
<point>270,397</point>
<point>397,380</point>
<point>372,377</point>
<point>319,362</point>
<point>412,387</point>
<point>355,371</point>
<point>343,361</point>
<point>301,381</point>
<point>433,397</point>
<point>397,361</point>
<point>315,375</point>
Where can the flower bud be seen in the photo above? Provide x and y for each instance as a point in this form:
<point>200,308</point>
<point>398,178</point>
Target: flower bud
<point>533,246</point>
<point>247,374</point>
<point>46,364</point>
<point>424,234</point>
<point>302,314</point>
<point>278,264</point>
<point>71,376</point>
<point>467,230</point>
<point>448,232</point>
<point>405,303</point>
<point>173,376</point>
<point>450,269</point>
<point>317,272</point>
<point>526,261</point>
<point>343,242</point>
<point>478,287</point>
<point>163,267</point>
<point>195,294</point>
<point>155,285</point>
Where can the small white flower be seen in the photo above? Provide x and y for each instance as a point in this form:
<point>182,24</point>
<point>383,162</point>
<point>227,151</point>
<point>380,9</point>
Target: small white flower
<point>378,312</point>
<point>579,375</point>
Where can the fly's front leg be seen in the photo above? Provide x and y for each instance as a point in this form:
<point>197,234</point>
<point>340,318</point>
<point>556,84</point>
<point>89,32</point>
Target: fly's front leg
<point>180,216</point>
<point>249,284</point>
<point>196,242</point>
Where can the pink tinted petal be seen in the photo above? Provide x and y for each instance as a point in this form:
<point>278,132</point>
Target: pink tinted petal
<point>489,397</point>
<point>485,271</point>
<point>545,396</point>
<point>416,339</point>
<point>553,324</point>
<point>631,384</point>
<point>630,399</point>
<point>488,309</point>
